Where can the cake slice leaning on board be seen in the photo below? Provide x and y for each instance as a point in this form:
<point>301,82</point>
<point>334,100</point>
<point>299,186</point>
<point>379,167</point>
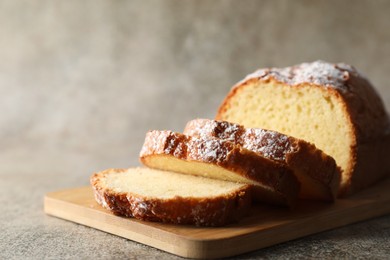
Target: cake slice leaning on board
<point>317,172</point>
<point>271,182</point>
<point>330,105</point>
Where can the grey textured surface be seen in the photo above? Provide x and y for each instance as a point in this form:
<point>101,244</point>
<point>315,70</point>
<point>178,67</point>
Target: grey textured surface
<point>82,81</point>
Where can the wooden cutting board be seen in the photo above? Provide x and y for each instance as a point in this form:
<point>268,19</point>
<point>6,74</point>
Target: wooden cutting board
<point>265,226</point>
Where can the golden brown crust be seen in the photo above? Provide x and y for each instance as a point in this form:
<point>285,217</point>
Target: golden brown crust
<point>215,211</point>
<point>281,185</point>
<point>317,168</point>
<point>368,118</point>
<point>309,164</point>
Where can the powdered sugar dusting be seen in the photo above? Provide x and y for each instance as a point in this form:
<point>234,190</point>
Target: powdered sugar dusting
<point>164,142</point>
<point>208,149</point>
<point>205,149</point>
<point>268,143</point>
<point>319,72</point>
<point>205,128</point>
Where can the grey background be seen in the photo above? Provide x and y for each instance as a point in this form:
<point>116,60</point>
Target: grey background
<point>82,81</point>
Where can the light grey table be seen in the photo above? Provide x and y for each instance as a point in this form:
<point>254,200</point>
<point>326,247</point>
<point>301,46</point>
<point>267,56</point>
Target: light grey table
<point>26,232</point>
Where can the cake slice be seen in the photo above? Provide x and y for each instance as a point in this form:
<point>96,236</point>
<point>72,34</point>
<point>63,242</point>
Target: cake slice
<point>317,172</point>
<point>330,105</point>
<point>169,197</point>
<point>272,182</point>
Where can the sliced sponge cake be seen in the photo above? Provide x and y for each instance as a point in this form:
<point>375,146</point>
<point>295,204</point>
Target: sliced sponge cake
<point>330,105</point>
<point>169,197</point>
<point>317,172</point>
<point>214,158</point>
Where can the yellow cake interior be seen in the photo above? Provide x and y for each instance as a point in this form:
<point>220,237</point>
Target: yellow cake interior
<point>167,185</point>
<point>306,112</point>
<point>207,170</point>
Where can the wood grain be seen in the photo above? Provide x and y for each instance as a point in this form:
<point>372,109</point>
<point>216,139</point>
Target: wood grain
<point>265,226</point>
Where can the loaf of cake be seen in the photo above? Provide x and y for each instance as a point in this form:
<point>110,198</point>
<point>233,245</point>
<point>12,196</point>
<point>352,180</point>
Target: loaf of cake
<point>169,197</point>
<point>214,158</point>
<point>330,105</point>
<point>317,172</point>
